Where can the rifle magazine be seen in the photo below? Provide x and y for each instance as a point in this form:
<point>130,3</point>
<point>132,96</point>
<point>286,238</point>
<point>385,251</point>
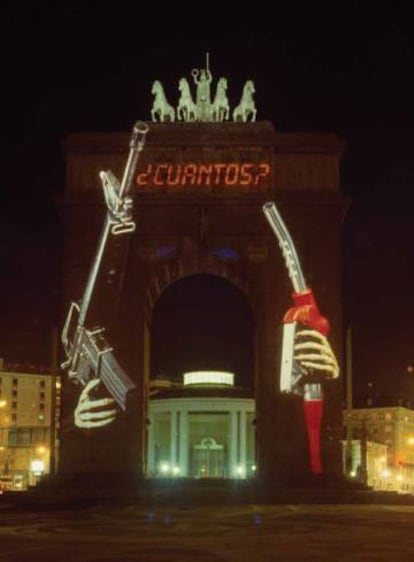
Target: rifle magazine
<point>117,382</point>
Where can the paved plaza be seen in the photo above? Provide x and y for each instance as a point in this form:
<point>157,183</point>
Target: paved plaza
<point>130,531</point>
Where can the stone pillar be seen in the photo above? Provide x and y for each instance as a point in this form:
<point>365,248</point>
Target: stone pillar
<point>183,443</point>
<point>173,439</point>
<point>150,451</point>
<point>242,442</point>
<point>233,445</point>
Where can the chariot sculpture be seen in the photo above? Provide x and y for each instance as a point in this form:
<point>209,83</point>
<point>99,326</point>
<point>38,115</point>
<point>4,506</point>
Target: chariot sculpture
<point>203,108</point>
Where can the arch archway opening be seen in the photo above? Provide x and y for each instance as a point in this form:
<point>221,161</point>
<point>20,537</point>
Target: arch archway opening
<point>201,323</point>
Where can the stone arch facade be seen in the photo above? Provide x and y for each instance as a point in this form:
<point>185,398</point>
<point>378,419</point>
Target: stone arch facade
<point>200,186</point>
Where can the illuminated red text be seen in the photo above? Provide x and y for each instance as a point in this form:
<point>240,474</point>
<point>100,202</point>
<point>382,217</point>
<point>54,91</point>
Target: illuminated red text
<point>194,175</point>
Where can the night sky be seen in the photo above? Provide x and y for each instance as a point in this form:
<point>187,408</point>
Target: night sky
<point>343,67</point>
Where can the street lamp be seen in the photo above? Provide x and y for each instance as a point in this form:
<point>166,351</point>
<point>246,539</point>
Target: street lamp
<point>4,466</point>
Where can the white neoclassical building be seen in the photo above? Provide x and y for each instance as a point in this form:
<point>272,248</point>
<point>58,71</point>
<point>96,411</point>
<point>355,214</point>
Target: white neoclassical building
<point>203,428</point>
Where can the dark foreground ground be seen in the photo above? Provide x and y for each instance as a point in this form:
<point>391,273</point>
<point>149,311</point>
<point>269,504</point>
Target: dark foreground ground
<point>376,529</point>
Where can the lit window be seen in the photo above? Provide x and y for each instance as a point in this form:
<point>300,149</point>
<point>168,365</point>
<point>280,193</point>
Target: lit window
<point>208,377</point>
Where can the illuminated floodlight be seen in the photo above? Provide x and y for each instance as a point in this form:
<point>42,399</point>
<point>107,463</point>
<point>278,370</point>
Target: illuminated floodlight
<point>241,471</point>
<point>208,377</point>
<point>385,473</point>
<point>167,468</point>
<point>353,473</point>
<point>164,467</point>
<point>37,467</point>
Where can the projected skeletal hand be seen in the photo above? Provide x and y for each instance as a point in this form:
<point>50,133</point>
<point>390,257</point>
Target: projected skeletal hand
<point>313,351</point>
<point>90,412</point>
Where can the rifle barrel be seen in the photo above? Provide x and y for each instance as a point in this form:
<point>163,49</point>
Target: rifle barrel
<point>136,145</point>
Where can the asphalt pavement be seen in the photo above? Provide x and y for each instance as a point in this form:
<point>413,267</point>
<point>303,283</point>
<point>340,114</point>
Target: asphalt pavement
<point>133,531</point>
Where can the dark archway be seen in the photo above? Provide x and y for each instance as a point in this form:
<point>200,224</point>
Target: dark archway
<point>203,322</point>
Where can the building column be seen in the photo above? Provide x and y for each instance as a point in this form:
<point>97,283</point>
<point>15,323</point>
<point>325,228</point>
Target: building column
<point>242,443</point>
<point>150,449</point>
<point>173,439</point>
<point>233,445</point>
<point>183,443</point>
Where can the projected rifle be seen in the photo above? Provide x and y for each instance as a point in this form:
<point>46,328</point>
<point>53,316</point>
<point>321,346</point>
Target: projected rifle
<point>304,312</point>
<point>88,354</point>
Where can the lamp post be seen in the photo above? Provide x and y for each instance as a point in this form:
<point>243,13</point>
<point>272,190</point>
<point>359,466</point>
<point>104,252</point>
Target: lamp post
<point>4,426</point>
<point>349,404</point>
<point>54,368</point>
<point>364,452</point>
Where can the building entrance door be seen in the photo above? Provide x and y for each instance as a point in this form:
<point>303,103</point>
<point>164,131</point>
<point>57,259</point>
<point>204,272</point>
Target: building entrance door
<point>208,459</point>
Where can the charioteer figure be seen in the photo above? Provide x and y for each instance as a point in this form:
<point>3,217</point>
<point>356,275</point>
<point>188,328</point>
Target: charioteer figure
<point>202,79</point>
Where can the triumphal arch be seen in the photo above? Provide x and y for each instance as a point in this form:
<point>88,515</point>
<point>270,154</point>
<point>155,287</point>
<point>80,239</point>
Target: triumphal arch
<point>200,183</point>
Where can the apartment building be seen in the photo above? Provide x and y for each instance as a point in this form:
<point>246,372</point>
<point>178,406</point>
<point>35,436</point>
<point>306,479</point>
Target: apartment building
<point>382,447</point>
<point>29,414</point>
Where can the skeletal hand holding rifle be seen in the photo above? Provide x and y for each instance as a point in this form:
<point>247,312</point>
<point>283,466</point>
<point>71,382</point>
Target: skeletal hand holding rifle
<point>306,353</point>
<point>89,359</point>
